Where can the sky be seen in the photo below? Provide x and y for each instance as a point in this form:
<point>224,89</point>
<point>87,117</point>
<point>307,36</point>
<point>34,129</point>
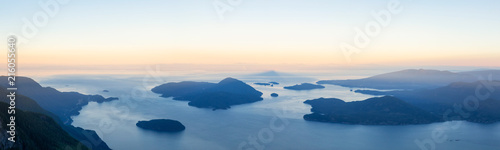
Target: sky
<point>263,32</point>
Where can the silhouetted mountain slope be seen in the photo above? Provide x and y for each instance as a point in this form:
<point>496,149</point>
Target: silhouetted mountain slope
<point>220,95</point>
<point>26,103</point>
<point>69,104</point>
<point>440,100</point>
<point>385,110</point>
<point>62,104</point>
<point>406,79</point>
<point>88,137</point>
<point>34,131</point>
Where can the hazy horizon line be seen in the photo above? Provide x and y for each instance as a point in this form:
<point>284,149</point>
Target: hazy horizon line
<point>185,68</point>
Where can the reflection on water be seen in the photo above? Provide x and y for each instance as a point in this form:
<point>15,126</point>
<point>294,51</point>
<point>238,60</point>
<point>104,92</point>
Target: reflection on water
<point>250,124</point>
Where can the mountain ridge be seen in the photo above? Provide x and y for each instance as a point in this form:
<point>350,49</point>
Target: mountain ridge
<point>413,79</point>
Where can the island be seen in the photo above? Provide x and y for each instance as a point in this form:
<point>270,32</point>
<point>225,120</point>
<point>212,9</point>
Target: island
<point>274,95</point>
<point>222,95</point>
<point>267,84</point>
<point>105,91</point>
<point>304,86</point>
<point>480,109</point>
<point>370,92</point>
<point>264,84</point>
<point>385,110</point>
<point>161,125</point>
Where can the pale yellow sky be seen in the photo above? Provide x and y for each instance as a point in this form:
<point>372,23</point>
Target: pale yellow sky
<point>298,32</point>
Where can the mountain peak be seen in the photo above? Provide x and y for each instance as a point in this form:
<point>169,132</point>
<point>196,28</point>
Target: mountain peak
<point>229,80</point>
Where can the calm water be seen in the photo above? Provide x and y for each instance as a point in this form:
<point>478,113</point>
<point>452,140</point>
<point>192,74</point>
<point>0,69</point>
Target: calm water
<point>274,123</point>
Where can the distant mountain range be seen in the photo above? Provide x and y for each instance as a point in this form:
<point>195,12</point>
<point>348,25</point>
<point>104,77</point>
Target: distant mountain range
<point>60,106</point>
<point>415,79</point>
<point>277,77</point>
<point>220,95</point>
<point>271,73</point>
